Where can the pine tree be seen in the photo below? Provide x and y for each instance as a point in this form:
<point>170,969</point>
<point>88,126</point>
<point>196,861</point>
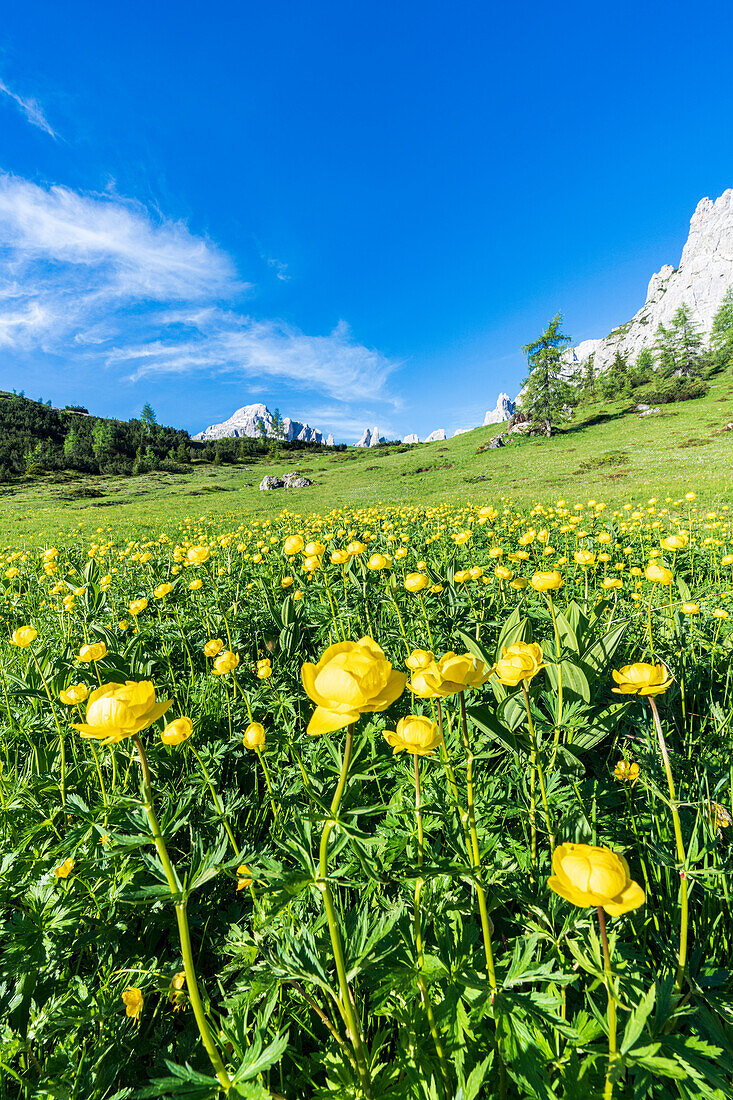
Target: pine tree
<point>721,336</point>
<point>664,351</point>
<point>643,368</point>
<point>687,343</point>
<point>148,417</point>
<point>589,378</point>
<point>547,391</point>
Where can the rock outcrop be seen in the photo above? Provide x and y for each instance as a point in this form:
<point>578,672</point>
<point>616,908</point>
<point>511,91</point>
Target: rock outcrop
<point>436,436</point>
<point>411,438</point>
<point>269,481</point>
<point>256,420</point>
<point>504,409</point>
<point>370,438</point>
<point>329,440</point>
<point>704,274</point>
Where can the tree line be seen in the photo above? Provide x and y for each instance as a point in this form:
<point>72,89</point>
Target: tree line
<point>675,368</point>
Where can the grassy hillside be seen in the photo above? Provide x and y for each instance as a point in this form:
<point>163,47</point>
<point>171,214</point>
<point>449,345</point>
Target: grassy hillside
<point>608,452</point>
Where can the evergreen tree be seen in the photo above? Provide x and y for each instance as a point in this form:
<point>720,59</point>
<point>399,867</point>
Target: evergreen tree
<point>721,337</point>
<point>664,351</point>
<point>103,442</point>
<point>687,343</point>
<point>182,453</point>
<point>547,390</point>
<point>589,378</point>
<point>277,430</point>
<point>643,368</point>
<point>148,417</point>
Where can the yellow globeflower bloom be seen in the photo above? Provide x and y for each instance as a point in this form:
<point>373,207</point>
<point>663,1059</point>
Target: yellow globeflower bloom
<point>720,613</point>
<point>177,991</point>
<point>65,869</point>
<point>314,549</point>
<point>418,659</point>
<point>123,624</point>
<point>612,582</point>
<point>626,771</point>
<point>690,608</point>
<point>519,662</point>
<point>414,734</point>
<point>195,585</point>
<point>591,877</point>
<point>225,662</point>
<point>286,582</point>
<point>340,557</point>
<point>75,693</point>
<point>547,582</point>
<point>673,543</point>
<point>132,999</point>
<point>24,636</point>
<point>584,558</point>
<point>177,731</point>
<point>298,595</point>
<point>197,555</point>
<point>254,736</point>
<point>94,651</point>
<point>351,678</point>
<point>503,573</point>
<point>454,672</point>
<point>244,877</point>
<point>312,563</point>
<point>727,559</point>
<point>658,574</point>
<point>641,679</point>
<point>415,582</point>
<point>264,669</point>
<point>356,548</point>
<point>162,590</point>
<point>137,607</point>
<point>213,647</point>
<point>118,711</point>
<point>293,545</point>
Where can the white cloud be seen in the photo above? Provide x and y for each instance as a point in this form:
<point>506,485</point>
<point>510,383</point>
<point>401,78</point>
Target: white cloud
<point>101,278</point>
<point>31,108</point>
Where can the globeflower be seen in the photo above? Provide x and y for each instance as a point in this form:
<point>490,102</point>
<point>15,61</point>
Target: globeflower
<point>74,694</point>
<point>118,711</point>
<point>264,669</point>
<point>137,606</point>
<point>657,573</point>
<point>414,734</point>
<point>351,678</point>
<point>547,582</point>
<point>65,869</point>
<point>162,590</point>
<point>591,877</point>
<point>584,558</point>
<point>177,731</point>
<point>454,672</point>
<point>24,636</point>
<point>641,679</point>
<point>94,651</point>
<point>213,647</point>
<point>254,736</point>
<point>519,662</point>
<point>197,555</point>
<point>132,999</point>
<point>419,659</point>
<point>225,662</point>
<point>244,877</point>
<point>293,545</point>
<point>415,582</point>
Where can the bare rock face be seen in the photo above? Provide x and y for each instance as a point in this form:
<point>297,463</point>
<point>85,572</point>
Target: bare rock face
<point>704,274</point>
<point>294,480</point>
<point>436,436</point>
<point>411,438</point>
<point>329,441</point>
<point>256,420</point>
<point>271,482</point>
<point>370,438</point>
<point>504,409</point>
<point>375,440</point>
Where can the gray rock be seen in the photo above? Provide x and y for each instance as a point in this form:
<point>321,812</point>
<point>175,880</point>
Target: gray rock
<point>728,427</point>
<point>270,482</point>
<point>642,408</point>
<point>329,441</point>
<point>504,409</point>
<point>411,438</point>
<point>294,480</point>
<point>497,441</point>
<point>436,437</point>
<point>650,412</point>
<point>252,420</point>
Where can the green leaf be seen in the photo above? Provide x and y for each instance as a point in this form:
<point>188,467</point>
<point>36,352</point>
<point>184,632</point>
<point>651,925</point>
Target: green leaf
<point>515,629</point>
<point>598,656</point>
<point>637,1019</point>
<point>485,719</point>
<point>574,681</point>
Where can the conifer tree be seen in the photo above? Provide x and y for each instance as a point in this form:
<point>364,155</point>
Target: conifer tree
<point>721,337</point>
<point>687,343</point>
<point>547,390</point>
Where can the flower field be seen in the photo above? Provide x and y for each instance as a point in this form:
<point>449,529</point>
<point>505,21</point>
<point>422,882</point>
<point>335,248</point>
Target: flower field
<point>401,802</point>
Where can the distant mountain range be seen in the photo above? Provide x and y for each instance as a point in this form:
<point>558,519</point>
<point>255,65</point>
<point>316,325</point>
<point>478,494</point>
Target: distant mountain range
<point>256,420</point>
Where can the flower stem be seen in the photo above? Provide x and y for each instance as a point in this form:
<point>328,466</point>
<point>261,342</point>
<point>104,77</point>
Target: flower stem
<point>681,854</point>
<point>474,851</point>
<point>424,989</point>
<point>537,766</point>
<point>265,769</point>
<point>218,806</point>
<point>608,1087</point>
<point>58,727</point>
<point>182,920</point>
<point>346,1006</point>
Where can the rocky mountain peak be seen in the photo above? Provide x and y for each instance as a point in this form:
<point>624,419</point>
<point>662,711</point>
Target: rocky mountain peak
<point>253,420</point>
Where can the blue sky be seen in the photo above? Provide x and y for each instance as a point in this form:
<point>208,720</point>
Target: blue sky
<point>357,212</point>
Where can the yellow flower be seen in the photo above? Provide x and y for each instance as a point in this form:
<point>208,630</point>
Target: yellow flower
<point>314,549</point>
<point>626,771</point>
<point>690,608</point>
<point>264,669</point>
<point>673,543</point>
<point>123,624</point>
<point>117,711</point>
<point>641,679</point>
<point>546,582</point>
<point>286,582</point>
<point>244,877</point>
<point>612,582</point>
<point>311,563</point>
<point>377,562</point>
<point>720,613</point>
<point>75,693</point>
<point>414,734</point>
<point>584,558</point>
<point>177,731</point>
<point>195,585</point>
<point>65,869</point>
<point>137,606</point>
<point>177,994</point>
<point>518,662</point>
<point>503,573</point>
<point>24,636</point>
<point>415,582</point>
<point>293,545</point>
<point>254,736</point>
<point>658,574</point>
<point>132,999</point>
<point>727,559</point>
<point>197,555</point>
<point>162,590</point>
<point>452,673</point>
<point>298,595</point>
<point>591,877</point>
<point>225,662</point>
<point>213,647</point>
<point>95,651</point>
<point>351,678</point>
<point>419,658</point>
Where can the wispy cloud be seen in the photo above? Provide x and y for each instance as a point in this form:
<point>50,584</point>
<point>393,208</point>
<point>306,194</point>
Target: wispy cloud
<point>31,108</point>
<point>101,277</point>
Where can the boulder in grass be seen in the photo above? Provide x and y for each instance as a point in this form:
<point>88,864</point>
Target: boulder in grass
<point>271,482</point>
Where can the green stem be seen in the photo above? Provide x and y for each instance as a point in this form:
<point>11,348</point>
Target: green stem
<point>273,803</point>
<point>58,727</point>
<point>218,806</point>
<point>537,764</point>
<point>182,920</point>
<point>608,1087</point>
<point>346,1006</point>
<point>681,854</point>
<point>559,678</point>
